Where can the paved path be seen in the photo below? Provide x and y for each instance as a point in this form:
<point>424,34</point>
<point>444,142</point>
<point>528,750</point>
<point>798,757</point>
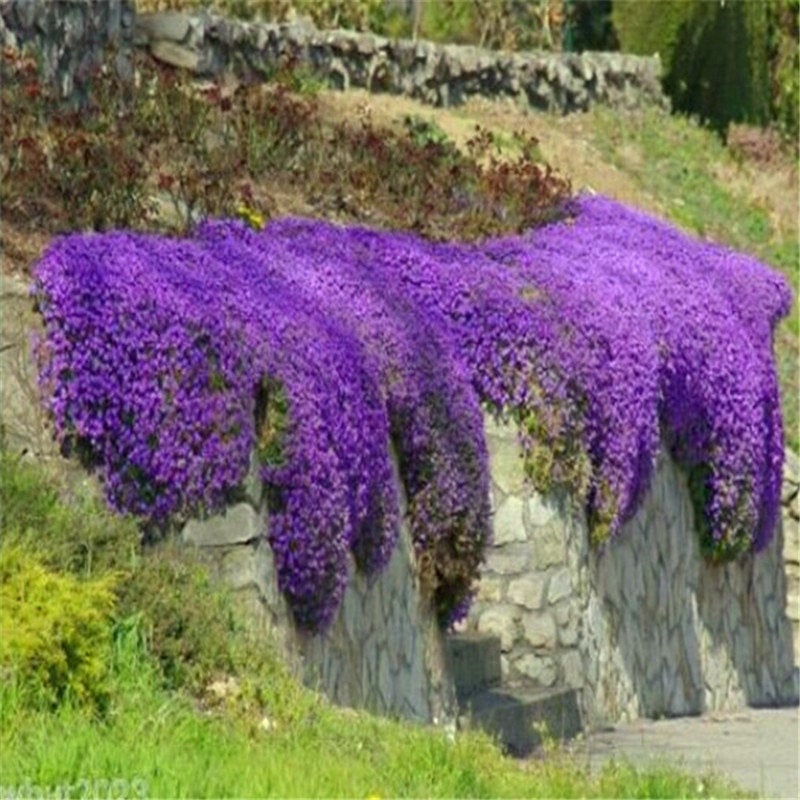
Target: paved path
<point>757,748</point>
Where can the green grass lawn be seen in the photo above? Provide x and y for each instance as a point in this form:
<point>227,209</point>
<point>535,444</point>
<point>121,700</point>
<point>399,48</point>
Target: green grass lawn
<point>158,726</point>
<point>160,741</point>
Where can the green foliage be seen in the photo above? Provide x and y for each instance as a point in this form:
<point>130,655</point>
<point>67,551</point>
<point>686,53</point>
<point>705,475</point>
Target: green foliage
<point>714,55</point>
<point>588,26</point>
<point>78,537</point>
<point>55,632</point>
<point>552,458</point>
<point>502,24</point>
<point>352,14</point>
<point>496,24</point>
<point>174,751</point>
<point>90,159</point>
<point>188,622</point>
<point>784,55</point>
<point>193,703</point>
<point>422,132</point>
<point>272,418</point>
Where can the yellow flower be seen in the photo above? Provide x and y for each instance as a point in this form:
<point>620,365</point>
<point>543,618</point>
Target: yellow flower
<point>250,216</point>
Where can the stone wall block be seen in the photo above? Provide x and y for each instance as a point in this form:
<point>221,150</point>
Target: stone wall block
<point>560,586</point>
<point>539,669</point>
<point>572,669</point>
<point>508,523</point>
<point>235,525</point>
<point>541,510</point>
<point>252,488</point>
<point>171,26</point>
<point>239,568</point>
<point>500,620</point>
<point>491,589</point>
<point>506,464</point>
<point>528,591</point>
<point>539,630</point>
<point>548,546</point>
<point>510,559</point>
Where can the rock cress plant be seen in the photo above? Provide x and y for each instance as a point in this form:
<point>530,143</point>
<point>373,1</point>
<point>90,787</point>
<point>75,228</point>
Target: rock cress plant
<point>348,355</point>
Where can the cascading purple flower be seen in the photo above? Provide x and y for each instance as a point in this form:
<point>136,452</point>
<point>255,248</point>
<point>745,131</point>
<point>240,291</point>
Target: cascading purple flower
<point>602,336</point>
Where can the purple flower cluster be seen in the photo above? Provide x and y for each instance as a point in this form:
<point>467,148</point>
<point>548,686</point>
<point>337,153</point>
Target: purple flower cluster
<point>601,336</point>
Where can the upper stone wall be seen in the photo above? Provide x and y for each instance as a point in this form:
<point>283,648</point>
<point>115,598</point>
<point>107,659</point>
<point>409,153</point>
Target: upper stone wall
<point>71,36</point>
<point>438,74</point>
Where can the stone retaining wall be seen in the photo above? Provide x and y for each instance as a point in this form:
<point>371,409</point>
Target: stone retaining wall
<point>384,651</point>
<point>645,627</point>
<point>71,35</point>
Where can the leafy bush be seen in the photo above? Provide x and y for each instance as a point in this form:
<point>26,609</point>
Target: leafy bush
<point>67,529</point>
<point>784,54</point>
<point>497,24</point>
<point>188,624</point>
<point>505,24</point>
<point>55,632</point>
<point>168,611</point>
<point>597,335</point>
<point>764,146</point>
<point>714,55</point>
<point>63,167</point>
<point>353,14</point>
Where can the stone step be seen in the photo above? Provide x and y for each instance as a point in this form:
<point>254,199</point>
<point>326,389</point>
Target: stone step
<point>475,662</point>
<point>520,720</point>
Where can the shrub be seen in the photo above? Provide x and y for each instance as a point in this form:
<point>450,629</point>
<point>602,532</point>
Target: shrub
<point>188,623</point>
<point>763,146</point>
<point>498,24</point>
<point>67,530</point>
<point>168,611</point>
<point>784,32</point>
<point>55,633</point>
<point>207,153</point>
<point>69,168</point>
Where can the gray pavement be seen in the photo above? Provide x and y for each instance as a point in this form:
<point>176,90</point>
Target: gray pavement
<point>756,748</point>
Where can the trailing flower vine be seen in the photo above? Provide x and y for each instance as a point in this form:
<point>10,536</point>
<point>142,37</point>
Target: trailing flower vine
<point>346,356</point>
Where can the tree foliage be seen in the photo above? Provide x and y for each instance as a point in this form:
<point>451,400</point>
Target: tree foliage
<point>715,55</point>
